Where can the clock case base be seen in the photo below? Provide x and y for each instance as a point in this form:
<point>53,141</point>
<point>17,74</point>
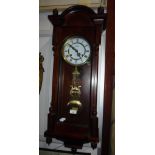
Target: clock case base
<point>73,136</point>
<point>73,21</point>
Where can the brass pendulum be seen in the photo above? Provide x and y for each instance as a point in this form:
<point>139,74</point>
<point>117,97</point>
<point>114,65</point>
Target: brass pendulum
<point>75,91</point>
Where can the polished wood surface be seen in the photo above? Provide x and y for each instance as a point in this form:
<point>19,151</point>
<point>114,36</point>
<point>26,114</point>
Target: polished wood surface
<point>109,76</point>
<point>83,127</point>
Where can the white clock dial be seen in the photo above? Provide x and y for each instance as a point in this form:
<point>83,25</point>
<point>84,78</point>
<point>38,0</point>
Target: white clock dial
<point>76,51</point>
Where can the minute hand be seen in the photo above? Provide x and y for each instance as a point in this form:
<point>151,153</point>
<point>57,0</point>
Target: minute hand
<point>78,54</point>
<point>73,48</point>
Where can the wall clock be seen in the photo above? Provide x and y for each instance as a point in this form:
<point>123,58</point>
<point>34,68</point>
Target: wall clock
<point>72,116</point>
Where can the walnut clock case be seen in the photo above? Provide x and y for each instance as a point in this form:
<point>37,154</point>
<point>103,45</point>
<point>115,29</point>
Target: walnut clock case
<point>72,116</point>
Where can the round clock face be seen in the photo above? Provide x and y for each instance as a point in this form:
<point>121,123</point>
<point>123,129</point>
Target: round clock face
<point>76,51</point>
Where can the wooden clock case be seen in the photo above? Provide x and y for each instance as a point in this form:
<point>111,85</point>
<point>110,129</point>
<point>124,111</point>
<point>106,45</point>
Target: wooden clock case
<point>82,127</point>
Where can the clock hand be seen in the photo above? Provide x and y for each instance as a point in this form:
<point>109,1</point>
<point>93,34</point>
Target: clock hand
<point>78,54</point>
<point>73,48</point>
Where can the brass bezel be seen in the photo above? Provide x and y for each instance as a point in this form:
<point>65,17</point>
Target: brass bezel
<point>63,45</point>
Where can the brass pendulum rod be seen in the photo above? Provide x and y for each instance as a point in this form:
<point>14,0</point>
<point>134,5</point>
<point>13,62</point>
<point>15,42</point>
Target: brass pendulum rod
<point>75,91</point>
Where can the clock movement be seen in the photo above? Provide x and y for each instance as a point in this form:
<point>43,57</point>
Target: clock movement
<point>72,115</point>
